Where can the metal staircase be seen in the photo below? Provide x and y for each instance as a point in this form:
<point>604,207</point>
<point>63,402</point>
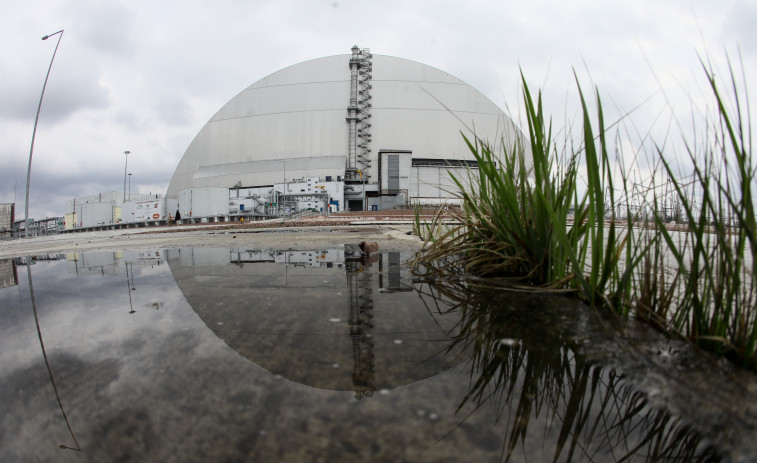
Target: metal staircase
<point>365,74</point>
<point>359,114</point>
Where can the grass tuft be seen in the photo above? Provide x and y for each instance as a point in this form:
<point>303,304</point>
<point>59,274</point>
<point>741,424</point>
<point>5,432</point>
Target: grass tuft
<point>534,224</point>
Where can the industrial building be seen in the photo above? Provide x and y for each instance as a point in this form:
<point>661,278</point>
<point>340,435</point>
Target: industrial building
<point>7,217</point>
<point>107,209</point>
<point>387,130</point>
<point>12,228</point>
<point>349,132</point>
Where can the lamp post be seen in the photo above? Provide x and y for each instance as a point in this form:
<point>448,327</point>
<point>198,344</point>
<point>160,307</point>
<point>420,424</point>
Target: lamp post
<point>126,163</point>
<point>129,186</point>
<point>34,132</point>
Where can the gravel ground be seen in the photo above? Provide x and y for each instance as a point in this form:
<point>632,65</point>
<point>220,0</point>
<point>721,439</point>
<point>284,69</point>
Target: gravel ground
<point>295,236</point>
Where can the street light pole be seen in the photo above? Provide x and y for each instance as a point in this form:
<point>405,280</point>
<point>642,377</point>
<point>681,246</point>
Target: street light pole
<point>129,186</point>
<point>34,132</point>
<point>127,153</point>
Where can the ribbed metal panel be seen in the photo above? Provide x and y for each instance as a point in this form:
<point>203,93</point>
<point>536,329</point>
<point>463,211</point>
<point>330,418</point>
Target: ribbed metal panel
<point>393,172</point>
<point>203,202</point>
<point>93,214</point>
<point>301,114</point>
<point>434,185</point>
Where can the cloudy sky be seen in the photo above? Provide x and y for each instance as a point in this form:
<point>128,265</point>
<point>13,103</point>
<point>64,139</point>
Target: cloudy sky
<point>146,76</point>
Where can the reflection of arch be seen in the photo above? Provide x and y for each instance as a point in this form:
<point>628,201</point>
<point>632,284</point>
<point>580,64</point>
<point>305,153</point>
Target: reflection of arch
<point>316,318</point>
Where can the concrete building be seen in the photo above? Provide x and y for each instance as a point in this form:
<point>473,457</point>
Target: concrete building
<point>106,209</point>
<point>7,217</point>
<point>388,129</point>
<point>340,133</point>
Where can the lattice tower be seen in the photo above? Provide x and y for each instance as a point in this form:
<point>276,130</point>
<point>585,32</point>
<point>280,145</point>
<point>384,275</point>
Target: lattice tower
<point>365,74</point>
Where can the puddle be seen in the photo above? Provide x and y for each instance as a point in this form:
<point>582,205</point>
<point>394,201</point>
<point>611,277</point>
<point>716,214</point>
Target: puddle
<point>210,354</point>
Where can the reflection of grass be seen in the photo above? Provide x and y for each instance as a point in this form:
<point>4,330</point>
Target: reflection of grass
<point>546,396</point>
<point>532,223</point>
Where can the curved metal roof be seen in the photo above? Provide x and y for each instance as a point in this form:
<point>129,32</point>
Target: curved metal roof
<point>292,123</point>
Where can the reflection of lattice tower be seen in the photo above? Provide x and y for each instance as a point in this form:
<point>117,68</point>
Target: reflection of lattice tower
<point>361,327</point>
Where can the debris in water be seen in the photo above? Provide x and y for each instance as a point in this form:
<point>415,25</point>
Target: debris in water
<point>369,247</point>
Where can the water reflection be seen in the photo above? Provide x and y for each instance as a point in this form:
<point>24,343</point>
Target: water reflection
<point>110,263</point>
<point>8,276</point>
<point>47,361</point>
<point>320,355</point>
<point>528,362</point>
<point>330,319</point>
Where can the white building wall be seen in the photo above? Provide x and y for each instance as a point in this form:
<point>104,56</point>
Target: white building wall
<point>404,166</point>
<point>426,112</point>
<point>93,214</point>
<point>296,113</point>
<point>434,185</point>
<point>197,203</point>
<point>292,124</point>
<point>145,211</point>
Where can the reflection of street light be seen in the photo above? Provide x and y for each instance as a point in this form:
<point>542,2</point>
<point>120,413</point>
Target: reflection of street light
<point>34,132</point>
<point>47,362</point>
<point>129,286</point>
<point>126,163</point>
<point>130,186</point>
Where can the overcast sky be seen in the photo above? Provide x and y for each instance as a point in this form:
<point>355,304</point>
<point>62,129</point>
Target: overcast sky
<point>146,76</point>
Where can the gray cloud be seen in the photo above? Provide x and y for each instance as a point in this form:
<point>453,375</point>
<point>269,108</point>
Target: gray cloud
<point>72,86</point>
<point>738,29</point>
<point>103,27</point>
<point>148,77</point>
